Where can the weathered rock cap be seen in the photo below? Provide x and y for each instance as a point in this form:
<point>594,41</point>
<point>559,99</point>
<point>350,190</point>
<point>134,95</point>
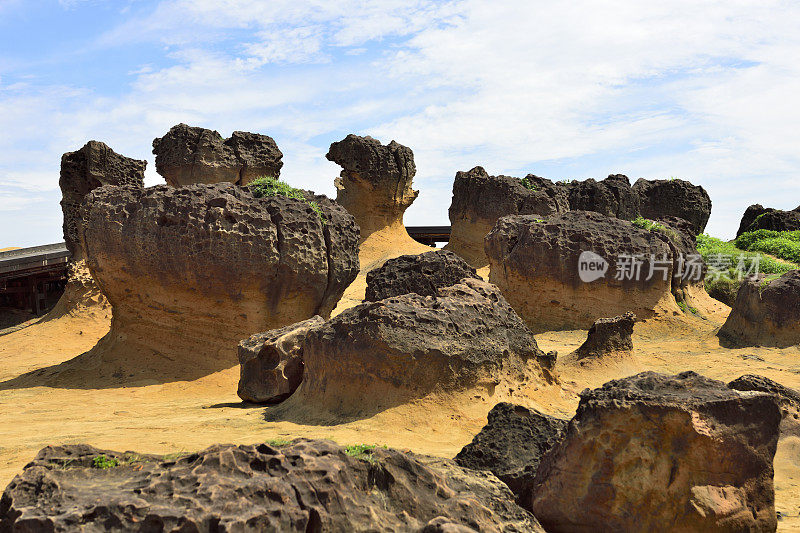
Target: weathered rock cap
<point>422,274</point>
<point>612,197</point>
<point>654,452</point>
<point>511,445</point>
<point>187,155</point>
<point>674,197</point>
<point>608,336</point>
<point>86,169</point>
<point>765,312</point>
<point>271,363</point>
<point>758,217</point>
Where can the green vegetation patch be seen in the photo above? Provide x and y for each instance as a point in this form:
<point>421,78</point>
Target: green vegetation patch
<point>782,244</point>
<point>649,225</point>
<point>104,462</point>
<point>361,451</point>
<point>266,186</point>
<point>277,442</point>
<point>528,184</point>
<point>724,256</point>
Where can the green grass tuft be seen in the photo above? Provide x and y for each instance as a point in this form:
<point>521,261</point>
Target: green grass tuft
<point>646,223</point>
<point>528,184</point>
<point>277,442</point>
<point>266,186</point>
<point>361,451</point>
<point>103,462</point>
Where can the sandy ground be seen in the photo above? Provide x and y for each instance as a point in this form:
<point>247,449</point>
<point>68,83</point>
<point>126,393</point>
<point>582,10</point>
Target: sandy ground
<point>169,415</point>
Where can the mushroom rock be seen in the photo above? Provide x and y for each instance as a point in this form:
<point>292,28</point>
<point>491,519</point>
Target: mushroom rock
<point>271,363</point>
<point>422,274</point>
<point>84,170</point>
<point>380,354</point>
<point>375,187</point>
<point>190,271</point>
<point>187,155</point>
<point>766,313</point>
<point>609,336</point>
<point>479,200</point>
<point>511,445</point>
<point>654,452</point>
<point>576,267</point>
<point>306,485</point>
<point>674,197</point>
<point>612,197</point>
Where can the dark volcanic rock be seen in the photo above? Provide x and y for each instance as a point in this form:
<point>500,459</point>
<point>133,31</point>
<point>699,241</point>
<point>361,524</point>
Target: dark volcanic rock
<point>689,269</point>
<point>757,217</point>
<point>375,183</point>
<point>662,453</point>
<point>512,444</point>
<point>609,335</point>
<point>82,171</point>
<point>766,313</point>
<point>612,197</point>
<point>187,155</point>
<point>211,264</point>
<point>423,274</point>
<point>788,399</point>
<point>271,363</point>
<point>536,266</point>
<point>479,200</point>
<point>404,347</point>
<point>304,486</point>
<point>674,197</point>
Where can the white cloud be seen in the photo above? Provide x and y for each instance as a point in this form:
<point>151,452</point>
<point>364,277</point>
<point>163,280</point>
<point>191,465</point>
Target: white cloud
<point>707,91</point>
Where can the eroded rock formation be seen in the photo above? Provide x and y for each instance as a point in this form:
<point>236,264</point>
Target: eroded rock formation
<point>758,217</point>
<point>271,363</point>
<point>303,486</point>
<point>536,266</point>
<point>788,400</point>
<point>191,271</point>
<point>674,198</point>
<point>422,274</point>
<point>375,183</point>
<point>187,155</point>
<point>612,197</point>
<point>512,444</point>
<point>84,170</point>
<point>766,313</point>
<point>394,350</point>
<point>662,453</point>
<point>609,336</point>
<point>479,200</point>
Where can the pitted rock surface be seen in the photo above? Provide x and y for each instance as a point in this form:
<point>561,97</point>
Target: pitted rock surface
<point>404,347</point>
<point>271,363</point>
<point>303,486</point>
<point>479,200</point>
<point>612,197</point>
<point>211,264</point>
<point>788,399</point>
<point>536,266</point>
<point>766,313</point>
<point>375,183</point>
<point>84,170</point>
<point>674,198</point>
<point>654,452</point>
<point>422,274</point>
<point>609,336</point>
<point>188,155</point>
<point>512,444</point>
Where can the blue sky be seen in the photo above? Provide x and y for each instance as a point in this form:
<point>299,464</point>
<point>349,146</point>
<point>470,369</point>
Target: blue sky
<point>705,91</point>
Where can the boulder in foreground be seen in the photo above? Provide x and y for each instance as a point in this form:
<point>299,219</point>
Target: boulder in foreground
<point>512,444</point>
<point>380,354</point>
<point>187,155</point>
<point>303,486</point>
<point>766,313</point>
<point>422,274</point>
<point>654,452</point>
